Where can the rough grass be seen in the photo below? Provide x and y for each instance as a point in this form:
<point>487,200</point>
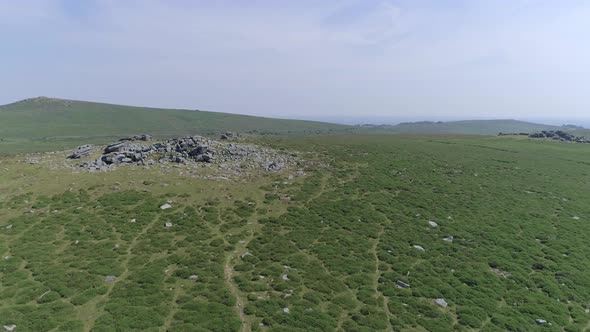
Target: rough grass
<point>328,247</point>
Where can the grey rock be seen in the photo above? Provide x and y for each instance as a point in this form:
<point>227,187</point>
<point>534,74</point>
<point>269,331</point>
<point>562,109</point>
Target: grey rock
<point>441,302</point>
<point>110,278</point>
<point>9,327</point>
<point>165,206</point>
<point>193,277</point>
<point>81,152</point>
<point>115,147</point>
<point>540,321</point>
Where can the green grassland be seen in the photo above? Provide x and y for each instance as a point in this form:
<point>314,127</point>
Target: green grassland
<point>316,253</point>
<point>47,124</point>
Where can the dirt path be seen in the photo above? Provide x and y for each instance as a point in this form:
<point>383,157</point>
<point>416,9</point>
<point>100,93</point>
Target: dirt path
<point>228,272</point>
<point>90,309</point>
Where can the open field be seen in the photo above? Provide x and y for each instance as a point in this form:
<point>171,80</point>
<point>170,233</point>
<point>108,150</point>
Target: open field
<point>320,252</point>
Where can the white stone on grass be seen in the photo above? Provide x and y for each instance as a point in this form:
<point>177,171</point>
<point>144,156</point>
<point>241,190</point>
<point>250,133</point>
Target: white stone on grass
<point>441,302</point>
<point>165,206</point>
<point>432,223</point>
<point>448,239</point>
<point>419,247</point>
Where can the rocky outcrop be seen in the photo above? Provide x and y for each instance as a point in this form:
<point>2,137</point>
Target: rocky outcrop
<point>559,135</point>
<point>187,150</point>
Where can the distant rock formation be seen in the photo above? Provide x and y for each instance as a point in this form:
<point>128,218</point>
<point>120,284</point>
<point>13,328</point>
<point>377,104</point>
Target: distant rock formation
<point>559,135</point>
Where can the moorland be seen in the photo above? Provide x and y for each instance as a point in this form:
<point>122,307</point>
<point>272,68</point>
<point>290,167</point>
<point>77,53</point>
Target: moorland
<point>367,232</point>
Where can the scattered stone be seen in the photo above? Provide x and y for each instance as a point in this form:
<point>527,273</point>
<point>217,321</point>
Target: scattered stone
<point>133,220</point>
<point>419,247</point>
<point>168,224</point>
<point>540,321</point>
<point>441,302</point>
<point>110,278</point>
<point>402,284</point>
<point>193,277</point>
<point>165,206</point>
<point>285,277</point>
<point>77,241</point>
<point>30,211</point>
<point>9,227</point>
<point>286,310</point>
<point>576,218</point>
<point>432,223</point>
<point>9,327</point>
<point>449,239</point>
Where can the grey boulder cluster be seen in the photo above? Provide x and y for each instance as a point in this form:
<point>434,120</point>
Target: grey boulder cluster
<point>559,135</point>
<point>137,150</point>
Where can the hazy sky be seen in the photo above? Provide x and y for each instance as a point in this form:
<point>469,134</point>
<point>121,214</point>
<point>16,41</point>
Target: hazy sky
<point>305,58</point>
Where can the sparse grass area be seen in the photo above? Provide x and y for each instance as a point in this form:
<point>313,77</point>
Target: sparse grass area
<point>319,253</point>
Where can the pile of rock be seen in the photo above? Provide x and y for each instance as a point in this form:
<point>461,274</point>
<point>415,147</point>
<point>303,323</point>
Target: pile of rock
<point>186,150</point>
<point>559,135</point>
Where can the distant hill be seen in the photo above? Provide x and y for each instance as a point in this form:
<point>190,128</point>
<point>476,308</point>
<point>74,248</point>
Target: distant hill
<point>466,127</point>
<point>45,124</point>
<point>55,123</point>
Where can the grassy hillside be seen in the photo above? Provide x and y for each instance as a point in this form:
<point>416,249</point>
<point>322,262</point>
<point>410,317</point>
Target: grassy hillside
<point>39,124</point>
<point>322,252</point>
<point>467,127</point>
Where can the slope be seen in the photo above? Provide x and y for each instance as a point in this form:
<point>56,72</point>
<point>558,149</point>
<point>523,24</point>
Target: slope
<point>49,123</point>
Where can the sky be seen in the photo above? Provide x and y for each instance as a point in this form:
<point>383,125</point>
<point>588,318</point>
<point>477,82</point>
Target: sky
<point>329,59</point>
